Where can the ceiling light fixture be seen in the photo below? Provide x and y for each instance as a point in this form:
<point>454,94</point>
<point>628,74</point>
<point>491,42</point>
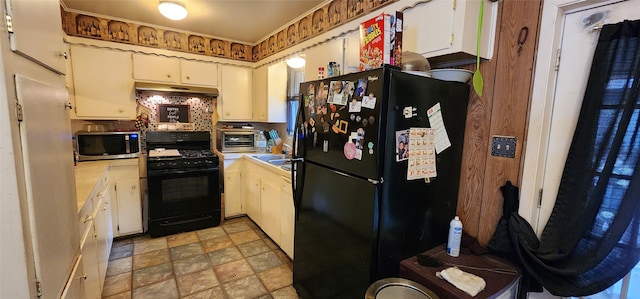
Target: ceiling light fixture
<point>173,9</point>
<point>296,61</point>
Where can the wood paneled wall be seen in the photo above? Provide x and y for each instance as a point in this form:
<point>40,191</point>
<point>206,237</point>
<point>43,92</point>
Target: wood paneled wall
<point>501,110</point>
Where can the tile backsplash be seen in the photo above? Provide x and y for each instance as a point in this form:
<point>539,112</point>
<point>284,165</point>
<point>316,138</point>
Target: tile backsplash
<point>200,109</point>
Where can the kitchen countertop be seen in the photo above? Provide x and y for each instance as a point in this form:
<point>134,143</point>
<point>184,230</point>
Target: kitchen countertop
<point>249,156</point>
<point>87,175</point>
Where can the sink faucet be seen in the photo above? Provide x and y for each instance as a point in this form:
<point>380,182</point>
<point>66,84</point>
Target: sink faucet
<point>288,148</point>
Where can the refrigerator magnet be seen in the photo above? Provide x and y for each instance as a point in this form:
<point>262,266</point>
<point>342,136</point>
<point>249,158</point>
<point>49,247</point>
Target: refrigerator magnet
<point>402,145</point>
<point>442,141</point>
<point>365,122</point>
<point>312,106</point>
<point>355,106</point>
<point>409,112</point>
<point>325,146</point>
<point>312,89</point>
<point>323,92</point>
<point>312,122</point>
<point>369,101</point>
<point>352,117</point>
<point>362,87</point>
<point>349,89</point>
<point>349,150</point>
<point>372,120</point>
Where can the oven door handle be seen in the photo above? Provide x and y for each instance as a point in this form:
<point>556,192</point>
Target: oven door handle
<point>180,171</point>
<point>186,221</point>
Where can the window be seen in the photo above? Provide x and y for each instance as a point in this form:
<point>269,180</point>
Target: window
<point>294,78</point>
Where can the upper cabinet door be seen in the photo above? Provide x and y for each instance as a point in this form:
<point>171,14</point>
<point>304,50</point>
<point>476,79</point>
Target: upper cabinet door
<point>102,84</point>
<point>156,68</point>
<point>199,73</point>
<point>277,93</point>
<point>37,32</point>
<point>236,93</point>
<point>446,31</point>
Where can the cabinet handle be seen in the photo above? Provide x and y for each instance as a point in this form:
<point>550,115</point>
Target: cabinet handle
<point>87,219</point>
<point>168,75</point>
<point>64,55</point>
<point>188,78</point>
<point>133,187</point>
<point>69,106</point>
<point>121,110</point>
<point>83,276</point>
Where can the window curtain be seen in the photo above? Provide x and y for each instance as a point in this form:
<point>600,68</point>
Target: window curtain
<point>591,240</point>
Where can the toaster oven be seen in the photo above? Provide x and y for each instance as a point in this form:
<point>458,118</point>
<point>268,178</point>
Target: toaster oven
<point>235,140</point>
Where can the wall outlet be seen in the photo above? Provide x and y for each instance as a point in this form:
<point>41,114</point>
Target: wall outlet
<point>503,146</point>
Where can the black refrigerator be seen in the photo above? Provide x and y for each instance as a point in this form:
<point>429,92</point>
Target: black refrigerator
<point>376,172</point>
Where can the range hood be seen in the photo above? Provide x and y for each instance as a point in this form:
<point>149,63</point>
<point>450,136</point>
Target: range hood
<point>176,89</point>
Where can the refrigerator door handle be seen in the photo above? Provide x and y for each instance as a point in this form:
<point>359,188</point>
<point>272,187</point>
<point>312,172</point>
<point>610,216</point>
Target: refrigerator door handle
<point>375,182</point>
<point>299,152</point>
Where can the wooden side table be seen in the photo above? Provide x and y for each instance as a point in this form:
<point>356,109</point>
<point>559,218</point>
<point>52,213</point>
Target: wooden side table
<point>499,285</point>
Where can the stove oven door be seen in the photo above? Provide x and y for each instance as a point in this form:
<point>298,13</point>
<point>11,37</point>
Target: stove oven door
<point>183,200</point>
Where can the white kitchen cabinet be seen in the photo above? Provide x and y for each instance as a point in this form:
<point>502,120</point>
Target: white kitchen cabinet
<point>89,252</point>
<point>102,84</point>
<point>446,31</point>
<point>270,208</point>
<point>320,55</point>
<point>147,67</point>
<point>236,88</point>
<point>198,73</point>
<point>260,96</point>
<point>156,68</point>
<point>270,91</point>
<point>75,285</point>
<point>126,197</point>
<point>36,32</point>
<point>96,237</point>
<point>233,187</point>
<point>287,217</point>
<point>104,230</point>
<point>253,197</point>
<point>352,52</point>
<point>269,195</point>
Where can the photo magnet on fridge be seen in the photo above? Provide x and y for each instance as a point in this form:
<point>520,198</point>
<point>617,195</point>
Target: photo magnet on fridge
<point>402,145</point>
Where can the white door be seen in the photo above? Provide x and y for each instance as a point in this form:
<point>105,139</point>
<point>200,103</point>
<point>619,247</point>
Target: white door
<point>577,48</point>
<point>45,135</point>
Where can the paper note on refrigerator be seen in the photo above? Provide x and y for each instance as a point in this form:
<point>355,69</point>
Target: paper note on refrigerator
<point>442,141</point>
<point>422,157</point>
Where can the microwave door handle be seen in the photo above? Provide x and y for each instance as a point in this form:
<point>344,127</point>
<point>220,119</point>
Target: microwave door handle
<point>127,144</point>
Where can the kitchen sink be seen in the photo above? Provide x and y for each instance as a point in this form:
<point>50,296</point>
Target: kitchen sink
<point>282,160</point>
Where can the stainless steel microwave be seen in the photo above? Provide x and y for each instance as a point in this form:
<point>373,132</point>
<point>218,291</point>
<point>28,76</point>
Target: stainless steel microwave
<point>107,145</point>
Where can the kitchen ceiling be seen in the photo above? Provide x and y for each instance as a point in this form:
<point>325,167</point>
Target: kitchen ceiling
<point>247,21</point>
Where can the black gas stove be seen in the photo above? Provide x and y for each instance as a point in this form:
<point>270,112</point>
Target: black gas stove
<point>184,182</point>
<point>186,159</point>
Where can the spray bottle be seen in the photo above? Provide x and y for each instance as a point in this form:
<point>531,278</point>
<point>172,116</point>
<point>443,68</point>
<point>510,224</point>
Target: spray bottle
<point>455,236</point>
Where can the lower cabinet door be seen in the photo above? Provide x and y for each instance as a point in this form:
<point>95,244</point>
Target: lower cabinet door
<point>232,193</point>
<point>253,198</point>
<point>129,209</point>
<point>74,287</point>
<point>270,210</point>
<point>89,251</point>
<point>287,220</point>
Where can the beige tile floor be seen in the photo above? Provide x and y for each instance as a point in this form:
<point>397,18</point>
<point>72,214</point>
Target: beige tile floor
<point>233,260</point>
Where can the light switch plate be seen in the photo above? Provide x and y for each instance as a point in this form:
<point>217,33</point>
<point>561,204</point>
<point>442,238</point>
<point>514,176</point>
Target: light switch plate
<point>503,146</point>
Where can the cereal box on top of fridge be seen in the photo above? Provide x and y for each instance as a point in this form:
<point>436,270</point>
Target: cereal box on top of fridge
<point>381,41</point>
